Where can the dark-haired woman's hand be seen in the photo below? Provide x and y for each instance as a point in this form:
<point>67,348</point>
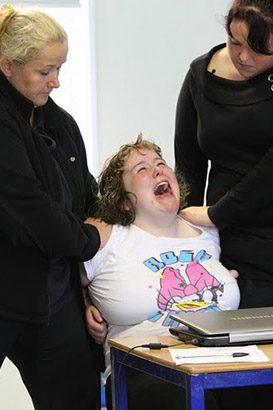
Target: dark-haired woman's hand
<point>197,215</point>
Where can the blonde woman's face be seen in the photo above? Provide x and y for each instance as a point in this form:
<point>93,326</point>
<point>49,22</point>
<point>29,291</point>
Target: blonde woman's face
<point>36,79</point>
<point>152,184</point>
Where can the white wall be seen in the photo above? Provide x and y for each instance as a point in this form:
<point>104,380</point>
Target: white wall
<point>142,51</point>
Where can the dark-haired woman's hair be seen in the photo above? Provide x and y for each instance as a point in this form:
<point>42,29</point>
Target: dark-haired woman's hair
<point>258,15</point>
<point>114,205</point>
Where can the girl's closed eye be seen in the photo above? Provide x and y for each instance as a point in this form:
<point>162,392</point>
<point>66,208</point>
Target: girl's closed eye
<point>143,168</point>
<point>161,163</point>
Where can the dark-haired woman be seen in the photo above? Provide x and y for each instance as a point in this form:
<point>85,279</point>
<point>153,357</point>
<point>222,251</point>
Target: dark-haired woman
<point>224,115</point>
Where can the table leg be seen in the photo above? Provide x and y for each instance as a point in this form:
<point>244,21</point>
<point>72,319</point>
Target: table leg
<point>118,385</point>
<point>195,394</point>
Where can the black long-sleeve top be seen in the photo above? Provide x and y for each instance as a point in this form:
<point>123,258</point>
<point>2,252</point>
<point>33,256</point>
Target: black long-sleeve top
<point>230,123</point>
<point>35,227</point>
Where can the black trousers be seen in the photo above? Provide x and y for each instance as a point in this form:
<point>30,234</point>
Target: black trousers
<point>56,362</point>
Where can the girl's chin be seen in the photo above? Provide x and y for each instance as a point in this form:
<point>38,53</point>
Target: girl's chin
<point>170,210</point>
<point>168,203</point>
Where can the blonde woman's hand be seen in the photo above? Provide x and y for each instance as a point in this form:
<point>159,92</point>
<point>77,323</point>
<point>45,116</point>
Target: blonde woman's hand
<point>197,215</point>
<point>234,273</point>
<point>96,325</point>
<point>103,228</point>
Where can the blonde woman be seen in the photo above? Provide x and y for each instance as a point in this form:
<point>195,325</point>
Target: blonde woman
<point>45,189</point>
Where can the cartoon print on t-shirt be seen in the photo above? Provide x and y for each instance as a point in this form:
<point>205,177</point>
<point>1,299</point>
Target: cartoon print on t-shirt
<point>174,287</point>
<point>187,281</point>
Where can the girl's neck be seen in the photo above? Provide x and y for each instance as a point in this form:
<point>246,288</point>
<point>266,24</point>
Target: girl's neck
<point>174,228</point>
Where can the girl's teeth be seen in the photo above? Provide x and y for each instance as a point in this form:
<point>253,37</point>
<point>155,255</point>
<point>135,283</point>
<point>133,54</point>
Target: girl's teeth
<point>161,188</point>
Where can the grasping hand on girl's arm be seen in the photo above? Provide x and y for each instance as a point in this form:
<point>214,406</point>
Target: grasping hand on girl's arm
<point>96,325</point>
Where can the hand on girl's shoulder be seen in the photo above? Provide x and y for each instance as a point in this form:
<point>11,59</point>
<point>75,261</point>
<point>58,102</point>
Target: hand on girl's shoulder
<point>197,215</point>
<point>104,229</point>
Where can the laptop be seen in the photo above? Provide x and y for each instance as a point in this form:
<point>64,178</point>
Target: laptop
<point>225,328</point>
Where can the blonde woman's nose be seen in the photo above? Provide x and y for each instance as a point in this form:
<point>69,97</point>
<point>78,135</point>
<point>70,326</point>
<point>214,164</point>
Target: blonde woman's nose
<point>54,81</point>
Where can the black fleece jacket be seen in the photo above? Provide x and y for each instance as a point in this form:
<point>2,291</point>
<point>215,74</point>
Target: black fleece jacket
<point>34,227</point>
<point>230,123</point>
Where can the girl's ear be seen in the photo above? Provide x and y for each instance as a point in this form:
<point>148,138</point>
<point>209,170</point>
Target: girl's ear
<point>126,206</point>
<point>6,66</point>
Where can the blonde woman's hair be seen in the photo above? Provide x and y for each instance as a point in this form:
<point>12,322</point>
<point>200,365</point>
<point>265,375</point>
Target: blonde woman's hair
<point>114,205</point>
<point>24,33</point>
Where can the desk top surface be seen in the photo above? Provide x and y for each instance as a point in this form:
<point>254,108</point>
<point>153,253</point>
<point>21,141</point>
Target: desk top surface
<point>163,356</point>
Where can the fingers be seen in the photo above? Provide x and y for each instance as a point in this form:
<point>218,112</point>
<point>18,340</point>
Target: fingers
<point>104,229</point>
<point>96,325</point>
<point>97,316</point>
<point>197,215</point>
<point>234,273</point>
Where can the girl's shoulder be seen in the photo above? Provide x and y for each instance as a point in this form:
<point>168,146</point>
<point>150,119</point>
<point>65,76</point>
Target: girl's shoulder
<point>202,230</point>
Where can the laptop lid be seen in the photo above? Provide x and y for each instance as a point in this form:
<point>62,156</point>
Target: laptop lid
<point>242,326</point>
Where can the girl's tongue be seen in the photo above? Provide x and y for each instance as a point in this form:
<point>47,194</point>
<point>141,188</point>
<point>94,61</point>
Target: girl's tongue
<point>161,188</point>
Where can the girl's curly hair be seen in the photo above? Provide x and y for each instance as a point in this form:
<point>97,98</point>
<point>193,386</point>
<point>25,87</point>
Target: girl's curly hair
<point>112,195</point>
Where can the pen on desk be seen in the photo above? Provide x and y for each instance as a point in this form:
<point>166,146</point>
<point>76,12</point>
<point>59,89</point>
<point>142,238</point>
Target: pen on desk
<point>239,354</point>
<point>236,354</point>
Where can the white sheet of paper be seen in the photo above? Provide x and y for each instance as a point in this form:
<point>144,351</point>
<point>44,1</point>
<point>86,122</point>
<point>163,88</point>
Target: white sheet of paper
<point>218,355</point>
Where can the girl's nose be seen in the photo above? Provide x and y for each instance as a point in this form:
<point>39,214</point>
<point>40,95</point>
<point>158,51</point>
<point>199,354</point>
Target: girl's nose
<point>157,170</point>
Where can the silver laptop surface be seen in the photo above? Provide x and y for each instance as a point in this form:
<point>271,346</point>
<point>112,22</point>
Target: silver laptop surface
<point>230,327</point>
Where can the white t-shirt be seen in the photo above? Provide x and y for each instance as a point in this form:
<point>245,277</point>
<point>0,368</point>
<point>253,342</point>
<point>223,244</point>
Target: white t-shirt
<point>138,280</point>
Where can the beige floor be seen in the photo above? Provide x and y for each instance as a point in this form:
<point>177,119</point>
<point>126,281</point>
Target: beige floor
<point>13,394</point>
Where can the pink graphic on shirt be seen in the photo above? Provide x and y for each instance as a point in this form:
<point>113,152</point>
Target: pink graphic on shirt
<point>173,287</point>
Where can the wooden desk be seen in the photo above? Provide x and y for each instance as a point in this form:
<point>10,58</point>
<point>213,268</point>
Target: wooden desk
<point>195,378</point>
